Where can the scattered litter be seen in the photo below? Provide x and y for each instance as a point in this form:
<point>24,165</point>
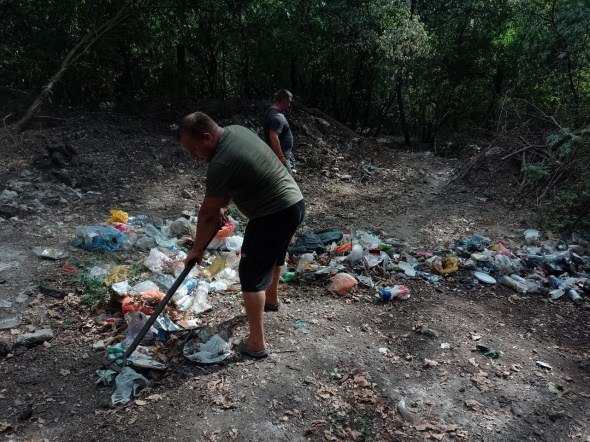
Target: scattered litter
<point>544,365</point>
<point>400,292</point>
<point>445,345</point>
<point>105,377</point>
<point>129,386</point>
<point>99,238</point>
<point>485,278</point>
<point>489,352</point>
<point>342,283</point>
<point>212,351</point>
<point>50,253</point>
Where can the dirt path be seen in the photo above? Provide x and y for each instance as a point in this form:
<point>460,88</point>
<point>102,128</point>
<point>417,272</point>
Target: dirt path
<point>339,366</point>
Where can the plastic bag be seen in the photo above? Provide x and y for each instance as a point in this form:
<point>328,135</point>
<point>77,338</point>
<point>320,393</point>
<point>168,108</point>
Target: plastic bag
<point>505,265</point>
<point>445,266</point>
<point>50,253</point>
<point>118,216</point>
<point>367,240</point>
<point>142,287</point>
<point>93,238</point>
<point>304,262</point>
<point>135,322</point>
<point>145,242</point>
<point>234,243</point>
<point>129,386</point>
<point>182,227</point>
<point>156,260</point>
<point>144,302</point>
<point>341,283</point>
<point>121,288</point>
<point>356,254</point>
<point>531,236</point>
<point>99,271</point>
<point>216,266</point>
<point>161,239</point>
<point>116,274</point>
<point>226,231</point>
<point>210,352</point>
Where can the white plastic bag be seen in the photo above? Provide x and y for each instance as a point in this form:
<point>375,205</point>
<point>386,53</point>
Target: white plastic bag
<point>129,386</point>
<point>155,261</point>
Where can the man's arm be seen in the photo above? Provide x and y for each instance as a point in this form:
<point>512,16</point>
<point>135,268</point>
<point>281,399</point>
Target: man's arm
<point>275,145</point>
<point>211,216</point>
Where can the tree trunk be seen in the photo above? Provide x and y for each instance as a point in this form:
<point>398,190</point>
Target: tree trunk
<point>181,66</point>
<point>80,49</point>
<point>402,114</point>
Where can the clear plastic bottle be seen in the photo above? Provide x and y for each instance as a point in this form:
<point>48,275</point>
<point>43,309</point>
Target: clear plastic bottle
<point>514,284</point>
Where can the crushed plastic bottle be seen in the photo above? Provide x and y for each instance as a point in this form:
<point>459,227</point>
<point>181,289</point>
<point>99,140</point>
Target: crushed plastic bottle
<point>182,297</point>
<point>514,285</point>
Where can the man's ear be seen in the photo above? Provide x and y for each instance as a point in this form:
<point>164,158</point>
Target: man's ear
<point>207,137</point>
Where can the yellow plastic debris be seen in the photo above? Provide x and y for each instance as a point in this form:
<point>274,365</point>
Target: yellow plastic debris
<point>118,216</point>
<point>116,274</point>
<point>445,266</point>
<point>216,266</point>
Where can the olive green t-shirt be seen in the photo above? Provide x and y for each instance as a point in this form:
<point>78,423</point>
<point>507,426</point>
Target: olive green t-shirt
<point>247,170</point>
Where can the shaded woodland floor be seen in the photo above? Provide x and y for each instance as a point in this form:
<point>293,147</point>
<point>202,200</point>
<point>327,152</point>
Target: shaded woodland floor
<point>332,378</point>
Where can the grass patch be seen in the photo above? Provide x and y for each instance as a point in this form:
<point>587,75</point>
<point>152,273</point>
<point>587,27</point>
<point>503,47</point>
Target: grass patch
<point>94,290</point>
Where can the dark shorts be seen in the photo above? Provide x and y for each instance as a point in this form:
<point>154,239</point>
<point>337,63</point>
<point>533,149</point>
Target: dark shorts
<point>265,245</point>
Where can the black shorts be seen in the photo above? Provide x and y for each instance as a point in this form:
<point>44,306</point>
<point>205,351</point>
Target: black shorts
<point>265,245</point>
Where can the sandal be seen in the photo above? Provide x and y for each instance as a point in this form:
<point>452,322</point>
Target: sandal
<point>253,354</point>
<point>271,307</point>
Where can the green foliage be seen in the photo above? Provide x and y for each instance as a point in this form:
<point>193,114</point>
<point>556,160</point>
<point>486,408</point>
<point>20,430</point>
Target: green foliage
<point>94,290</point>
<point>568,209</point>
<point>536,171</point>
<point>456,60</point>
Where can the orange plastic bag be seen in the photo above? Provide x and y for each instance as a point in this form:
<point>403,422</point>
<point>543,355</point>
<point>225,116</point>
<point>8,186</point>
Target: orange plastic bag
<point>341,283</point>
<point>144,302</point>
<point>346,247</point>
<point>226,231</point>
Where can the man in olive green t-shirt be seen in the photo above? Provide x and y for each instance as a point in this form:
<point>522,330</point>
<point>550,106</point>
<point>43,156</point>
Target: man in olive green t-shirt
<point>242,168</point>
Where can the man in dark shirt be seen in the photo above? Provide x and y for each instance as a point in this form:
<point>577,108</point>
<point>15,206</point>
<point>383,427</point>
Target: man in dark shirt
<point>277,132</point>
<point>242,169</point>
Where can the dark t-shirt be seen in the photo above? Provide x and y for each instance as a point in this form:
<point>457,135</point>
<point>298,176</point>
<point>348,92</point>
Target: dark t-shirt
<point>246,170</point>
<point>275,120</point>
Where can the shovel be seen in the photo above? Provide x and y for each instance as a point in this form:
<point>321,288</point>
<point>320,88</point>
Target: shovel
<point>122,360</point>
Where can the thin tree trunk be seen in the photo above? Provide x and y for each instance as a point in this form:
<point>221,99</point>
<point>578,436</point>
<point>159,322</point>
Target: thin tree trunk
<point>80,49</point>
<point>181,65</point>
<point>402,113</point>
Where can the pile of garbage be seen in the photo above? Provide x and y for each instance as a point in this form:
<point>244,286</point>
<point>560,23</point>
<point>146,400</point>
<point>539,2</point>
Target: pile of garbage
<point>340,261</point>
<point>549,268</point>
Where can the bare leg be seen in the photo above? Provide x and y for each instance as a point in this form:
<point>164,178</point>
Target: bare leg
<point>254,303</point>
<point>272,296</point>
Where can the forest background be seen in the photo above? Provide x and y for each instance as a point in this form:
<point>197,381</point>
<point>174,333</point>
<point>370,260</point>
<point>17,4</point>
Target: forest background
<point>504,82</point>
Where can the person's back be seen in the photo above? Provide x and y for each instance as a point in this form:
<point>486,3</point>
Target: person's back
<point>276,129</point>
<point>244,168</point>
